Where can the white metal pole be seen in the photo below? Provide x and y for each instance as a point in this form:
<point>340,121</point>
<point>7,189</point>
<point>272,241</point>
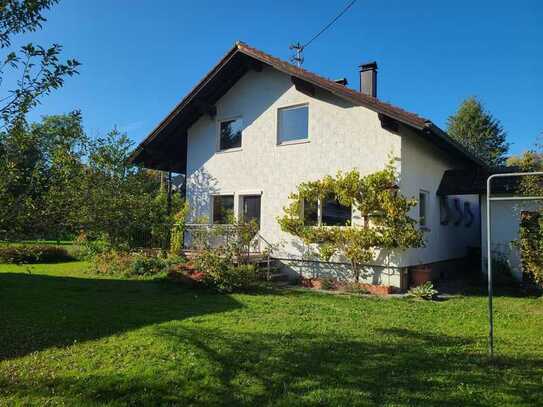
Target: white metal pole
<point>489,272</point>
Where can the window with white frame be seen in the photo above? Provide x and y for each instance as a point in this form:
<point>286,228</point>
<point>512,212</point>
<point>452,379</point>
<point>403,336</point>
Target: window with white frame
<point>223,208</point>
<point>423,208</point>
<point>230,133</point>
<point>292,124</point>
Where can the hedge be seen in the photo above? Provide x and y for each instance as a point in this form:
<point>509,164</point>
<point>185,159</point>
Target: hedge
<point>28,254</point>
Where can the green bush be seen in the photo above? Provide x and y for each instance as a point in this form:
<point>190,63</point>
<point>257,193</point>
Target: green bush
<point>328,283</point>
<point>424,291</point>
<point>132,264</point>
<point>530,245</point>
<point>147,265</point>
<point>221,274</point>
<point>33,253</point>
<point>112,262</point>
<point>88,247</point>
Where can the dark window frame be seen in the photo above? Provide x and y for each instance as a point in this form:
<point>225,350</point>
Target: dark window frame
<point>348,221</point>
<point>220,146</point>
<point>423,207</point>
<point>316,220</point>
<point>222,218</point>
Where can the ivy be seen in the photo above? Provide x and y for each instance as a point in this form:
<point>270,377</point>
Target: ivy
<point>530,245</point>
<point>386,224</point>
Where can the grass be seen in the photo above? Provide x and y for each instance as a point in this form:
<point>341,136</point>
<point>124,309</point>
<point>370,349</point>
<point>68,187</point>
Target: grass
<point>69,338</point>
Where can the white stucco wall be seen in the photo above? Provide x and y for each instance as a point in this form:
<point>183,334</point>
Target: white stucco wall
<point>505,224</point>
<point>422,169</point>
<point>341,137</point>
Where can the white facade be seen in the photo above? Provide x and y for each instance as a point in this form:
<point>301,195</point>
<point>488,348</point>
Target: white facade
<point>341,137</point>
<point>504,231</point>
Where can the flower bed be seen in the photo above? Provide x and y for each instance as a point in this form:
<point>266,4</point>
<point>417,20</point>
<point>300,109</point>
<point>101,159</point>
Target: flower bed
<point>186,274</point>
<point>330,284</point>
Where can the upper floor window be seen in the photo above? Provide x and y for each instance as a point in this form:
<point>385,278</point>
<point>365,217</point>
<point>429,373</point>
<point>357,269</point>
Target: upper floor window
<point>292,124</point>
<point>223,208</point>
<point>230,134</point>
<point>423,208</point>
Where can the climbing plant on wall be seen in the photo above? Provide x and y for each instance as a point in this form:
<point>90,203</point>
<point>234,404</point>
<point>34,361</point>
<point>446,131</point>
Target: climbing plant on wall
<point>530,245</point>
<point>382,208</point>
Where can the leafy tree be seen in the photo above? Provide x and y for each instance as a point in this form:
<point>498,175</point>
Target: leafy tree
<point>123,202</point>
<point>64,146</point>
<point>39,69</point>
<point>57,182</point>
<point>384,211</point>
<point>26,75</point>
<point>529,161</point>
<point>477,130</point>
<point>42,165</point>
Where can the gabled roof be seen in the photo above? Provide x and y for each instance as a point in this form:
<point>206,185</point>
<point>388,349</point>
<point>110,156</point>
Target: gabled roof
<point>165,147</point>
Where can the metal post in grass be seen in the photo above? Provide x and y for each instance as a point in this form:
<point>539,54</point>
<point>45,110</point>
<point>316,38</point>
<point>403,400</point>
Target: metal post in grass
<point>489,199</point>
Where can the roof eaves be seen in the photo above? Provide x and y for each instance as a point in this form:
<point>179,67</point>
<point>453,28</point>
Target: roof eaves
<point>190,96</point>
<point>454,144</point>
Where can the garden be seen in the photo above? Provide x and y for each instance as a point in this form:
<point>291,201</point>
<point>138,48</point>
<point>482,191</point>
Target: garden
<point>72,336</point>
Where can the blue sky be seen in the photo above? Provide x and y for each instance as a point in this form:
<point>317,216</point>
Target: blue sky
<point>141,57</point>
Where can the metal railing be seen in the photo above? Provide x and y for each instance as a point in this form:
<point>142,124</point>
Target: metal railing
<point>198,237</point>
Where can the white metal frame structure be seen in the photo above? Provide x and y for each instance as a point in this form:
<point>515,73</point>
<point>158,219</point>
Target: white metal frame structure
<point>489,199</point>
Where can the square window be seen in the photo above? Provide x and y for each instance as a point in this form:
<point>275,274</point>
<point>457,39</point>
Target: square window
<point>292,124</point>
<point>223,209</point>
<point>423,208</point>
<point>230,134</point>
<point>334,213</point>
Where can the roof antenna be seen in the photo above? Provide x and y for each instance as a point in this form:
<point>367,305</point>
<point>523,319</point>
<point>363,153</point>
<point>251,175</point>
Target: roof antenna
<point>298,48</point>
<point>297,59</point>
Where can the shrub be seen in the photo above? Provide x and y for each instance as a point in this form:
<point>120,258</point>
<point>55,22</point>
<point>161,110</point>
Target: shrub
<point>530,245</point>
<point>328,283</point>
<point>221,274</point>
<point>147,265</point>
<point>88,247</point>
<point>130,264</point>
<point>33,253</point>
<point>233,278</point>
<point>178,229</point>
<point>112,262</point>
<point>424,291</point>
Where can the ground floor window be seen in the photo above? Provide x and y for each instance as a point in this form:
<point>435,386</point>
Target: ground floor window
<point>223,208</point>
<point>311,212</point>
<point>423,208</point>
<point>326,212</point>
<point>334,213</point>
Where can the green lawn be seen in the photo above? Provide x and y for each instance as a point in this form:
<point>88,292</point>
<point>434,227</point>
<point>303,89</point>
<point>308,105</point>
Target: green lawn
<point>68,338</point>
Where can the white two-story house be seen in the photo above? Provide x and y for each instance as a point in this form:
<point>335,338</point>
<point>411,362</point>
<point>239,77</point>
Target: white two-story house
<point>255,127</point>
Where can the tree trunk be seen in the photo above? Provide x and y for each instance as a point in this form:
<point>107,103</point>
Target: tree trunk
<point>355,271</point>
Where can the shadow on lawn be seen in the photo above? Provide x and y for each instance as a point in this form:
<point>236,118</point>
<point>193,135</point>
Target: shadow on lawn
<point>38,312</point>
<point>401,367</point>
